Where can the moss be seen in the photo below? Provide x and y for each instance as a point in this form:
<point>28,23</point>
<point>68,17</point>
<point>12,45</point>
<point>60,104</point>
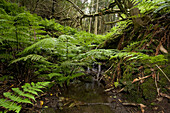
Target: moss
<point>141,93</point>
<point>134,96</point>
<point>148,89</point>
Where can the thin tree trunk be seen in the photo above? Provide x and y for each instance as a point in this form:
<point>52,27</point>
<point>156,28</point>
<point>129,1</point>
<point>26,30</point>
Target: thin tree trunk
<point>96,19</point>
<point>90,25</point>
<point>91,8</point>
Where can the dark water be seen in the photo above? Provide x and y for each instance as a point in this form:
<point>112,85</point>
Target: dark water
<point>88,93</point>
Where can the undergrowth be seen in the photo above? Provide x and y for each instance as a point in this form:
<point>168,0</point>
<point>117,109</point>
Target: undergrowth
<point>36,49</point>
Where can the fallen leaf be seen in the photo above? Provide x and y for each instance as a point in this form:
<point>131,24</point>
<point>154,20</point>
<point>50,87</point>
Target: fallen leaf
<point>162,49</point>
<point>142,108</point>
<point>159,99</point>
<point>135,80</point>
<point>71,105</point>
<point>119,100</point>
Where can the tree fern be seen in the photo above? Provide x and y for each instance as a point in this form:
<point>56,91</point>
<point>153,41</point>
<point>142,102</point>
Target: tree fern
<point>32,57</point>
<point>100,54</point>
<point>16,98</point>
<point>44,43</point>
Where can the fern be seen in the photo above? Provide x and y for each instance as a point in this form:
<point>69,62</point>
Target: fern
<point>129,56</point>
<point>11,106</point>
<point>100,54</point>
<point>21,93</point>
<point>155,5</point>
<point>18,97</point>
<point>163,5</point>
<point>51,75</point>
<point>32,57</point>
<point>44,43</point>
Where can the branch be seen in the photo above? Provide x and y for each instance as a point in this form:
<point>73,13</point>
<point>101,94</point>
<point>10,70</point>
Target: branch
<point>108,23</point>
<point>101,13</point>
<point>76,7</point>
<point>62,10</point>
<point>163,72</point>
<point>93,15</point>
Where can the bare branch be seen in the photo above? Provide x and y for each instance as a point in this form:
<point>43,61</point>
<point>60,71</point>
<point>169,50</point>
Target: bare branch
<point>76,7</point>
<point>101,13</point>
<point>108,23</point>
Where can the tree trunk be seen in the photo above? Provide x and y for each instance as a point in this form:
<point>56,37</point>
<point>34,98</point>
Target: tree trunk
<point>91,17</point>
<point>135,13</point>
<point>96,19</point>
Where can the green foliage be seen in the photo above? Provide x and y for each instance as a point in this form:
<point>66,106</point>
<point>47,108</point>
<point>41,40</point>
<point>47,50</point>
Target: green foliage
<point>39,48</point>
<point>44,46</point>
<point>163,5</point>
<point>56,29</point>
<point>155,5</point>
<point>47,43</point>
<point>98,54</point>
<point>32,57</point>
<point>136,65</point>
<point>129,56</point>
<point>11,106</point>
<point>15,99</point>
<point>10,8</point>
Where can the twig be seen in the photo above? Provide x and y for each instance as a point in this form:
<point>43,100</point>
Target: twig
<point>135,80</point>
<point>109,89</point>
<point>165,95</point>
<point>109,68</point>
<point>107,104</point>
<point>121,90</point>
<point>156,84</point>
<point>162,72</point>
<point>134,104</point>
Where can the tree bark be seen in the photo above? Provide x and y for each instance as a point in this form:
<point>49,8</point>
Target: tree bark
<point>90,18</point>
<point>96,19</point>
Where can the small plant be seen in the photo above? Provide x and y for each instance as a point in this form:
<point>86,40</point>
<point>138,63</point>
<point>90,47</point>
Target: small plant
<point>14,100</point>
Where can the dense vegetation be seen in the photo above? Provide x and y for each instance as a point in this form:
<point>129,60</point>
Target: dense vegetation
<point>36,53</point>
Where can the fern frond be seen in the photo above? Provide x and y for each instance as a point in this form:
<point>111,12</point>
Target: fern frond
<point>162,7</point>
<point>129,56</point>
<point>21,93</point>
<point>51,75</point>
<point>32,57</point>
<point>33,88</point>
<point>44,43</point>
<point>11,106</point>
<point>76,75</point>
<point>102,54</point>
<point>27,88</point>
<point>16,98</point>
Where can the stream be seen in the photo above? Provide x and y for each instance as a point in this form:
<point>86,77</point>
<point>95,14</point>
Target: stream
<point>83,98</point>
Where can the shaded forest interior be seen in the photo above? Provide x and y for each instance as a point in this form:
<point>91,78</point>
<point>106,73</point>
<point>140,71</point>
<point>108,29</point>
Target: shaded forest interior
<point>48,46</point>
